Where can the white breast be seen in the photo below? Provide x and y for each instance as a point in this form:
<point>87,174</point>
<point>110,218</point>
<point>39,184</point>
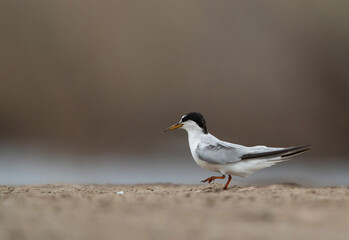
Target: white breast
<point>195,138</point>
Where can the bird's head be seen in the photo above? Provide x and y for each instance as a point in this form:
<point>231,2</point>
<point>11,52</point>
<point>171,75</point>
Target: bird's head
<point>193,121</point>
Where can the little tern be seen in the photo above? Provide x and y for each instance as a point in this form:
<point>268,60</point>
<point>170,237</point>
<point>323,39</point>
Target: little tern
<point>227,158</point>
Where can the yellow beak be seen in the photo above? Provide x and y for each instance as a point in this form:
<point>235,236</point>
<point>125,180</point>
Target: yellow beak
<point>173,127</point>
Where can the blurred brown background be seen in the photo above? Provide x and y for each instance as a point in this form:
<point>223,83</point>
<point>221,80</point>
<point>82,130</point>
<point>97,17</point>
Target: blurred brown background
<point>108,76</point>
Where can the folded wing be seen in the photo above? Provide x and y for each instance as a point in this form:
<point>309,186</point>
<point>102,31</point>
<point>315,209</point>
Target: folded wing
<point>278,154</point>
<point>218,153</point>
<point>223,153</point>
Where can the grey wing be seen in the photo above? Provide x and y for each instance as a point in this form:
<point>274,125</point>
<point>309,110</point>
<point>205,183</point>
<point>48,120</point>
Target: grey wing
<point>217,153</point>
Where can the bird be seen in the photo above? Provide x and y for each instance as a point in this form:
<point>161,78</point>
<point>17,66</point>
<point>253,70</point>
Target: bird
<point>227,158</point>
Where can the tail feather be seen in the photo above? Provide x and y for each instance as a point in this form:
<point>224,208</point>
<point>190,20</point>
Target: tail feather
<point>278,155</point>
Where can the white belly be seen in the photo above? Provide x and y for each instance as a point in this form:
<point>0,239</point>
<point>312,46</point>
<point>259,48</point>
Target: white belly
<point>242,168</point>
<point>208,166</point>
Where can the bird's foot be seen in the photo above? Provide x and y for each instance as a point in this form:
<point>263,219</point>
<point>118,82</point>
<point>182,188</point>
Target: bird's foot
<point>227,184</point>
<point>210,179</point>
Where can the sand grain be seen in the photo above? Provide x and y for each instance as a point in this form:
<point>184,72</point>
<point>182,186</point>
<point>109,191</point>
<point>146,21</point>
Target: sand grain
<point>165,211</point>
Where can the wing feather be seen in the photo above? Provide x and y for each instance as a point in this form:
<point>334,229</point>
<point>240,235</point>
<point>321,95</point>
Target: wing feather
<point>215,151</point>
<point>218,153</point>
<point>282,153</point>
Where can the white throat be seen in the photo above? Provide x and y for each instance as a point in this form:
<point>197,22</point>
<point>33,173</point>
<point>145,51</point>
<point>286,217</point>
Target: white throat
<point>195,134</point>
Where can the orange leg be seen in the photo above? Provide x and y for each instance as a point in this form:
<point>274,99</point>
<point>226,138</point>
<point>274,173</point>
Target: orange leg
<point>210,179</point>
<point>226,185</point>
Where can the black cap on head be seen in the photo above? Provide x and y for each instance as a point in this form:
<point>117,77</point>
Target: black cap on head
<point>196,117</point>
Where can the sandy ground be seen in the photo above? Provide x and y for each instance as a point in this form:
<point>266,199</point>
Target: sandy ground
<point>165,211</point>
